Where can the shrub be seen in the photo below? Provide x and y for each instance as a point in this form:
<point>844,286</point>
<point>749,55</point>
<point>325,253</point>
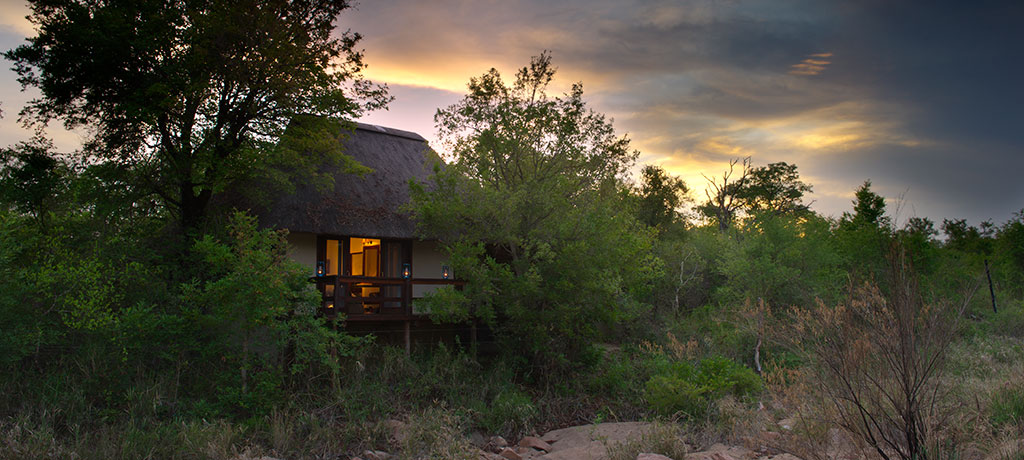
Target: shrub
<point>669,395</point>
<point>691,390</point>
<point>255,312</point>
<point>512,412</point>
<point>878,361</point>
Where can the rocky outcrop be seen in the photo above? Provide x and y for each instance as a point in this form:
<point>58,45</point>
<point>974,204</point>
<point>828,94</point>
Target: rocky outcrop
<point>593,442</point>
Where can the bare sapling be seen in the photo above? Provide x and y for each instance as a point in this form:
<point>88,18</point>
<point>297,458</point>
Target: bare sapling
<point>877,362</point>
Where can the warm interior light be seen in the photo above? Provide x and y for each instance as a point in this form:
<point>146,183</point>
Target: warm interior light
<point>331,258</point>
<point>364,255</point>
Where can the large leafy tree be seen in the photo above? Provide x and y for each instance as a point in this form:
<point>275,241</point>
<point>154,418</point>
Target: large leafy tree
<point>189,94</point>
<point>775,189</point>
<point>534,212</point>
<point>659,197</point>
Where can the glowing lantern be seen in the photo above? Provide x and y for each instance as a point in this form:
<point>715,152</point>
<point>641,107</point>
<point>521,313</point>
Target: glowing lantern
<point>406,271</point>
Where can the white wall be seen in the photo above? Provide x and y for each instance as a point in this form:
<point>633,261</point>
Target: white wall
<point>427,260</point>
<point>302,249</point>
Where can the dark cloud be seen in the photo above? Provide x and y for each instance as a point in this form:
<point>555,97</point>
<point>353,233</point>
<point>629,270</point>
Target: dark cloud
<point>935,180</point>
<point>918,96</point>
<point>959,64</point>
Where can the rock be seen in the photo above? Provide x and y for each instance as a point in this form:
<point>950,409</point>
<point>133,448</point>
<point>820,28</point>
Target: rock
<point>495,444</point>
<point>787,423</point>
<point>591,441</point>
<point>535,443</point>
<point>723,452</point>
<point>709,456</point>
<point>582,435</point>
<point>510,454</point>
<point>477,439</point>
<point>484,455</point>
<point>652,457</point>
<point>376,455</point>
<point>592,450</point>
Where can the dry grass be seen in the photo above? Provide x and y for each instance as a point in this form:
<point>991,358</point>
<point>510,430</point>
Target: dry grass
<point>978,369</point>
<point>668,439</point>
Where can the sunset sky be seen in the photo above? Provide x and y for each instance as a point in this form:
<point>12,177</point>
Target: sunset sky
<point>923,98</point>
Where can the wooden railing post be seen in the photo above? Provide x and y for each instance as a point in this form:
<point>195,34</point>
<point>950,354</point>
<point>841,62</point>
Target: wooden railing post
<point>407,296</point>
<point>339,297</point>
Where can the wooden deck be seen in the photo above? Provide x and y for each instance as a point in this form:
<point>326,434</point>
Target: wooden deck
<point>365,300</point>
<point>362,298</point>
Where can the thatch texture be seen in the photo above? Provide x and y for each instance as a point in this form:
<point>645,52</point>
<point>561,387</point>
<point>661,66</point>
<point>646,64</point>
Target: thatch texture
<point>364,206</point>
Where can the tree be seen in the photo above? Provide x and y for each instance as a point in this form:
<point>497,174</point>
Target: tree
<point>32,178</point>
<point>864,237</point>
<point>723,198</point>
<point>918,237</point>
<point>1009,247</point>
<point>659,197</point>
<point>868,208</point>
<point>782,260</point>
<point>774,189</point>
<point>532,210</point>
<point>967,238</point>
<point>191,94</point>
<point>257,315</point>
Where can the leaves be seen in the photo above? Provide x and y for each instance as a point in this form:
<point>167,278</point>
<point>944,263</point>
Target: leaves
<point>192,93</point>
<point>532,210</point>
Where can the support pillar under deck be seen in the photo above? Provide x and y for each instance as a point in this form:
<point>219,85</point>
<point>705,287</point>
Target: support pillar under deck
<point>407,339</point>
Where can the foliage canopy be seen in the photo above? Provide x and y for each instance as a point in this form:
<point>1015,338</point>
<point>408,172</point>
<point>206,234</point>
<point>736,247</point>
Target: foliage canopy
<point>530,208</point>
<point>191,95</point>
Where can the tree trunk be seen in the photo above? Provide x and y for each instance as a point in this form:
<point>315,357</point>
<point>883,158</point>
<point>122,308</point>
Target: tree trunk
<point>193,206</point>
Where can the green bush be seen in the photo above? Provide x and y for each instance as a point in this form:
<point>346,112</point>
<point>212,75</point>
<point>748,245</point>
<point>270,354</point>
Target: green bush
<point>512,412</point>
<point>689,390</point>
<point>669,395</point>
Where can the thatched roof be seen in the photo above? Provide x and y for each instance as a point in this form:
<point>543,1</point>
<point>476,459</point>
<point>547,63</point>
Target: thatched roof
<point>364,206</point>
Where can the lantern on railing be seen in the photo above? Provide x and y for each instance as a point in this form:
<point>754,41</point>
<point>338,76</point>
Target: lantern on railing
<point>406,271</point>
<point>321,269</point>
<point>446,272</point>
<point>329,307</point>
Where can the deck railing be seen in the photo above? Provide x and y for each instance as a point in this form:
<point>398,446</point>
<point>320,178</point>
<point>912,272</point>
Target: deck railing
<point>373,298</point>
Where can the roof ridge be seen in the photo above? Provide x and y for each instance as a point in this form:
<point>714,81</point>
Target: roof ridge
<point>389,131</point>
